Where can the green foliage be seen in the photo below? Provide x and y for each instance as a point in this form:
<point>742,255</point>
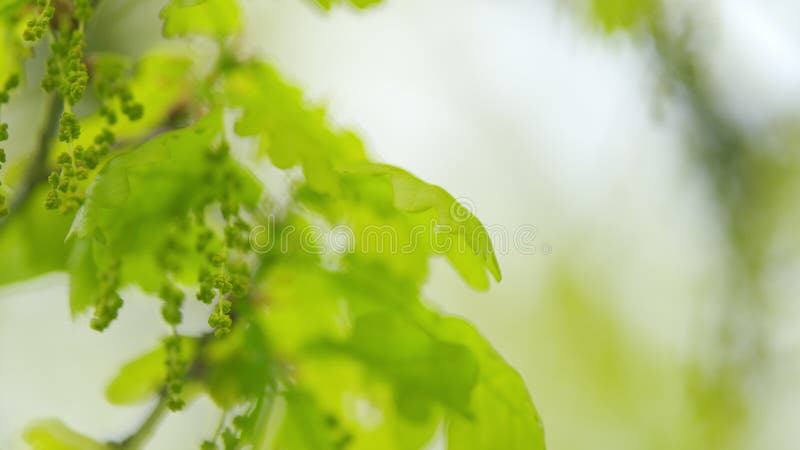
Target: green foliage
<point>215,18</point>
<point>11,83</point>
<point>142,378</point>
<point>360,4</point>
<point>503,417</point>
<point>306,427</point>
<point>54,435</point>
<point>422,370</point>
<point>290,132</point>
<point>151,189</point>
<point>622,14</point>
<point>469,248</point>
<point>33,242</point>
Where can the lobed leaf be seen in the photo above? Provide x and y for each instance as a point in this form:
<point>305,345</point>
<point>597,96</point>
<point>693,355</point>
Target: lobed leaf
<point>291,132</point>
<point>469,248</point>
<point>503,415</point>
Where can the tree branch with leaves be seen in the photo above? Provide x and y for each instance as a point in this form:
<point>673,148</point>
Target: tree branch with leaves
<point>153,183</point>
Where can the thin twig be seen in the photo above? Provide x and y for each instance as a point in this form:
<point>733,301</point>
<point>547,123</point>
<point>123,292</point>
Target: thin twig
<point>139,437</point>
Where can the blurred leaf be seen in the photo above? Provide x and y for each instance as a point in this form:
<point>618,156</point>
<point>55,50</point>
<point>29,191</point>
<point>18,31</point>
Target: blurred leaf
<point>10,7</point>
<point>305,426</point>
<point>216,18</point>
<point>622,374</point>
<point>365,407</point>
<point>361,4</point>
<point>138,380</point>
<point>238,367</point>
<point>11,50</point>
<point>32,240</point>
<point>503,416</point>
<point>622,14</point>
<point>302,307</point>
<point>422,369</point>
<point>52,434</point>
<point>142,378</point>
<point>82,278</point>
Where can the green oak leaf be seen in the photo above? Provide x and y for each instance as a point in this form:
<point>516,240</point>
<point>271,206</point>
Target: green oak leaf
<point>466,242</point>
<point>503,415</point>
<point>291,131</point>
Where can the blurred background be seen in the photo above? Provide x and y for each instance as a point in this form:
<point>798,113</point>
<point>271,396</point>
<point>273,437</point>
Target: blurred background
<point>654,147</point>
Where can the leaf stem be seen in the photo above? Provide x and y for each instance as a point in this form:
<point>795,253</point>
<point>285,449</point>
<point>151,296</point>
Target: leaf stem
<point>220,426</point>
<point>266,402</point>
<point>145,431</point>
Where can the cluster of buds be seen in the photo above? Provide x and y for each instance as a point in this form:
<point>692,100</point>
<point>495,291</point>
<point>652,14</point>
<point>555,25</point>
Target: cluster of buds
<point>5,91</point>
<point>69,129</point>
<point>206,292</point>
<point>108,301</point>
<point>130,108</point>
<point>220,320</point>
<point>227,282</point>
<point>232,283</point>
<point>169,258</point>
<point>232,434</point>
<point>66,73</point>
<point>63,194</point>
<point>171,253</point>
<point>3,200</point>
<point>11,83</point>
<point>205,243</point>
<point>108,79</point>
<point>223,279</point>
<point>173,301</point>
<point>237,233</point>
<point>82,9</point>
<point>72,169</point>
<point>36,28</point>
<point>176,373</point>
<point>217,285</point>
